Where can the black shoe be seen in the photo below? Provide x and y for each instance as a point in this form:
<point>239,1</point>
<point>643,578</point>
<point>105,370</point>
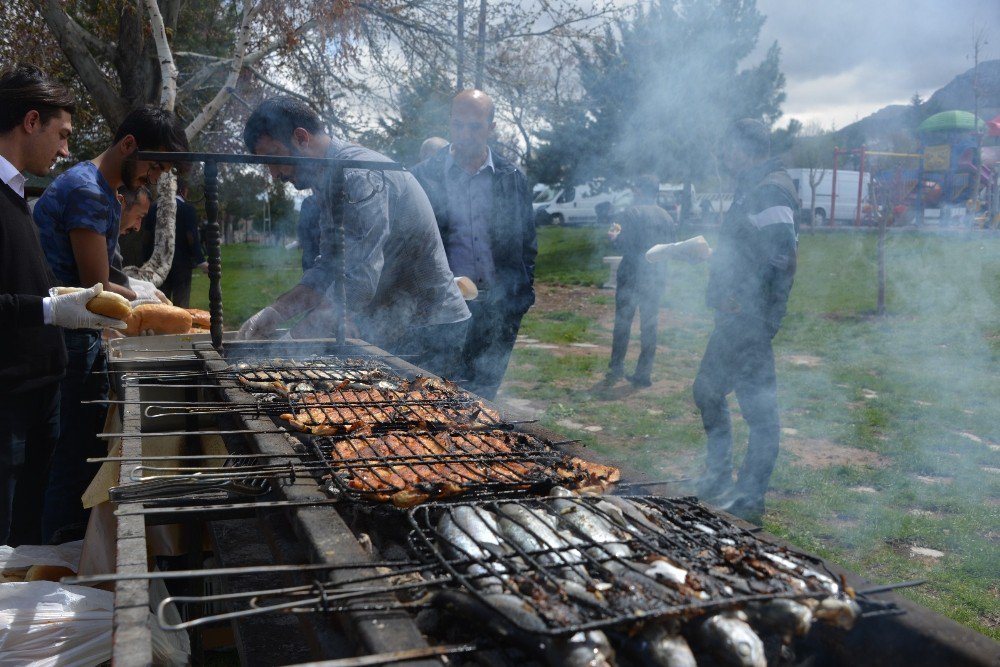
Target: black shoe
<point>747,507</point>
<point>611,377</point>
<point>712,486</point>
<point>640,381</point>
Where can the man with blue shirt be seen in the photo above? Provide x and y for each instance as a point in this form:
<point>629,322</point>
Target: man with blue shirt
<point>482,204</point>
<point>78,220</point>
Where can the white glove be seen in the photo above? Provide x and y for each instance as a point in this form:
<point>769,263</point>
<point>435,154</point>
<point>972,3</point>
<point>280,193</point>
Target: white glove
<point>261,325</point>
<point>146,292</point>
<point>70,310</point>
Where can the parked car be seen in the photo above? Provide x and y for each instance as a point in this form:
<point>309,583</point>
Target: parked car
<point>585,204</point>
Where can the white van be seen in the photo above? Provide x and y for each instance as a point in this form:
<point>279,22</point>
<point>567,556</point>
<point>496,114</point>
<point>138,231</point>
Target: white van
<point>579,204</point>
<point>847,193</point>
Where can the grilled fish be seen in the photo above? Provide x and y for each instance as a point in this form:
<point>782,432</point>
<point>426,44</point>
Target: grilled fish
<point>732,641</point>
<point>584,649</point>
<point>592,526</point>
<point>533,532</point>
<point>786,617</point>
<point>664,648</point>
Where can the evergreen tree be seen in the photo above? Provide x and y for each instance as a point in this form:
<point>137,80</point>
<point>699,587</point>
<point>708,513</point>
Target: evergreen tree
<point>659,91</point>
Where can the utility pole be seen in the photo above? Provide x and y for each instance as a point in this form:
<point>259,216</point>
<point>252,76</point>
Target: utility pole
<point>980,41</point>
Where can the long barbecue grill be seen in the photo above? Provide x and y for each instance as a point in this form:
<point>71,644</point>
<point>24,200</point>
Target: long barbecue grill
<point>366,513</point>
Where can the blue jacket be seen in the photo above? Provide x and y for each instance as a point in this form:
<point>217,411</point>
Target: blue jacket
<point>512,235</point>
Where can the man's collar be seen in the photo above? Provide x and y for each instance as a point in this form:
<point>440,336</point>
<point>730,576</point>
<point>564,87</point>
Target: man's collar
<point>449,162</point>
<point>11,176</point>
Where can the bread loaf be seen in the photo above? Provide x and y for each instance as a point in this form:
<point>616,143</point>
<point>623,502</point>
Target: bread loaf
<point>48,573</point>
<point>160,318</point>
<point>106,303</point>
<point>201,319</point>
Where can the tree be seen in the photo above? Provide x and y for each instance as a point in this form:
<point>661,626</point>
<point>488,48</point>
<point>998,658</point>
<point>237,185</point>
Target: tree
<point>423,104</point>
<point>660,89</point>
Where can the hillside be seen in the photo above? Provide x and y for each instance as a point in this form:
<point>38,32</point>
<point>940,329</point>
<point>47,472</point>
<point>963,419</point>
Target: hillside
<point>881,129</point>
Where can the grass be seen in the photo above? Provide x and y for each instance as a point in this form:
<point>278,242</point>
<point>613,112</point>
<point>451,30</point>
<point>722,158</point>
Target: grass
<point>917,389</point>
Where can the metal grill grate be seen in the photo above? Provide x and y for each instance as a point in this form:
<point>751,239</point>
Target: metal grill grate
<point>563,565</point>
<point>406,468</point>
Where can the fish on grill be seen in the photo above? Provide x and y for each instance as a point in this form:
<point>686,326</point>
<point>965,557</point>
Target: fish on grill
<point>349,411</point>
<point>408,468</point>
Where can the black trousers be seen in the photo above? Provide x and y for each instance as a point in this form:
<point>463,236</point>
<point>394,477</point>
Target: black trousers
<point>69,474</point>
<point>488,345</point>
<point>29,429</point>
<point>177,286</point>
<point>436,347</point>
<point>645,297</point>
<point>739,358</point>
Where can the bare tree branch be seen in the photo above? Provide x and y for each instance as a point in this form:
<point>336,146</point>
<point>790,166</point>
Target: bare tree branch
<point>73,42</point>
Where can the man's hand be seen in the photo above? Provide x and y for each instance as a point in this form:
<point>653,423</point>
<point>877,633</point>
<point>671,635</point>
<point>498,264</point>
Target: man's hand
<point>615,230</point>
<point>70,311</point>
<point>204,267</point>
<point>146,292</point>
<point>261,325</point>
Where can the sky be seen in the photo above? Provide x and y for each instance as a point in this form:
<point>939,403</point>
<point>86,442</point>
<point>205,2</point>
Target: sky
<point>846,59</point>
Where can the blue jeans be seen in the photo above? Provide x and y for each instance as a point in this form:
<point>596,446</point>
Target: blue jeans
<point>86,380</point>
<point>29,429</point>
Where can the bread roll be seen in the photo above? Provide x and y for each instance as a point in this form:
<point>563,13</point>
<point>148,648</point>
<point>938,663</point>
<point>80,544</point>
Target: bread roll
<point>48,573</point>
<point>106,303</point>
<point>200,318</point>
<point>159,317</point>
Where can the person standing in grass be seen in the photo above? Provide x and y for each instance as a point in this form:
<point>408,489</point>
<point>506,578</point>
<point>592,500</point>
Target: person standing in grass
<point>482,203</point>
<point>639,284</point>
<point>750,278</point>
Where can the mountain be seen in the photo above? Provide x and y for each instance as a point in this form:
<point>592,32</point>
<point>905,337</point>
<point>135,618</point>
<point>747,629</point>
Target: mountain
<point>883,128</point>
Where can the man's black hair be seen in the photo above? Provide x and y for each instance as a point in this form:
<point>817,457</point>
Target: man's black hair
<point>647,185</point>
<point>154,129</point>
<point>752,136</point>
<point>277,118</point>
<point>130,197</point>
<point>25,88</point>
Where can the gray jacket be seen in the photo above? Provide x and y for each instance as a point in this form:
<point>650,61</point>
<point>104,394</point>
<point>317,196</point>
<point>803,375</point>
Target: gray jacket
<point>397,272</point>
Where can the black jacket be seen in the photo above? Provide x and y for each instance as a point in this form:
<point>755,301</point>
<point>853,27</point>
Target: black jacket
<point>512,235</point>
<point>32,354</point>
<point>643,226</point>
<point>754,263</point>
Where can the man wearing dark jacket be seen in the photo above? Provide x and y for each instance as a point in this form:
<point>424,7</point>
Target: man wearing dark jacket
<point>35,124</point>
<point>482,204</point>
<point>187,249</point>
<point>750,279</point>
<point>639,284</point>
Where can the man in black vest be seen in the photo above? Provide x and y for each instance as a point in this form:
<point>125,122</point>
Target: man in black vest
<point>750,278</point>
<point>482,204</point>
<point>35,124</point>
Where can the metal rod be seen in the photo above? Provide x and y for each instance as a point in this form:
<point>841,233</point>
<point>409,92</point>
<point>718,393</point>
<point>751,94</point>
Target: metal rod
<point>393,656</point>
<point>228,507</point>
<point>891,587</point>
<point>195,457</point>
<point>164,434</point>
<point>245,158</point>
<point>89,579</point>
